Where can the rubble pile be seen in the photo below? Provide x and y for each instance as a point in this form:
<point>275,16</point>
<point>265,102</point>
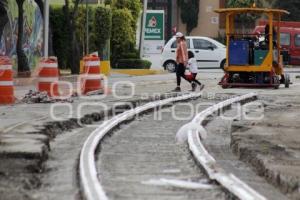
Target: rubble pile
<point>42,97</point>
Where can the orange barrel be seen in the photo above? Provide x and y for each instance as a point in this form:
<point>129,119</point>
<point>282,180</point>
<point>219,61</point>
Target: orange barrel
<point>48,76</point>
<point>6,81</point>
<point>92,81</point>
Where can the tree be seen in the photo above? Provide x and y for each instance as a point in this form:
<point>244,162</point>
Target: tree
<point>189,13</point>
<point>23,65</point>
<point>3,17</point>
<point>243,3</point>
<point>290,5</point>
<point>102,18</point>
<point>74,52</point>
<point>40,4</point>
<point>107,2</point>
<point>122,36</point>
<point>134,6</point>
<point>244,20</point>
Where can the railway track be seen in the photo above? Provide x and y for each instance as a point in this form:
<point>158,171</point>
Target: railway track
<point>143,161</point>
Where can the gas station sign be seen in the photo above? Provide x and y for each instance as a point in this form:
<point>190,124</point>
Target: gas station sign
<point>154,27</point>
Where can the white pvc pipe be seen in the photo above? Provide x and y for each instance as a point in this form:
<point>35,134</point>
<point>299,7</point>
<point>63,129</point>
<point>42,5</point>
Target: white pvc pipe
<point>214,171</point>
<point>89,179</point>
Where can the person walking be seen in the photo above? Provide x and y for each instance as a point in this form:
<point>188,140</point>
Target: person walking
<point>193,67</point>
<point>181,59</point>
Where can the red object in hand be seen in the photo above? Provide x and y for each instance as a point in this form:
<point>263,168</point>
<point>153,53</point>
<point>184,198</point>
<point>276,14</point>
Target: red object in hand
<point>188,75</point>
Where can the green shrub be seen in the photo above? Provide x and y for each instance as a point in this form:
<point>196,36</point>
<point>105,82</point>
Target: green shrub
<point>107,2</point>
<point>59,35</point>
<point>122,34</point>
<point>99,31</point>
<point>133,54</point>
<point>107,27</point>
<point>102,30</point>
<point>81,29</point>
<point>133,64</point>
<point>134,6</point>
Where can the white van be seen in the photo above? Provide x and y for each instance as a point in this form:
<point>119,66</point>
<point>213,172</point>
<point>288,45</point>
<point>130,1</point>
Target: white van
<point>208,52</point>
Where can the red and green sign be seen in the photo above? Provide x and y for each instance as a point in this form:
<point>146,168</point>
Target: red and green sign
<point>154,27</point>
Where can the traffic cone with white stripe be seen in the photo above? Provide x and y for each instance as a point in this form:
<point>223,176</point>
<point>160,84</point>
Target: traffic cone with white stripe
<point>48,76</point>
<point>92,80</point>
<point>6,81</point>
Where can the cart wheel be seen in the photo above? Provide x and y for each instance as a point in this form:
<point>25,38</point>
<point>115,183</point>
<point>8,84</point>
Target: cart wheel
<point>276,82</point>
<point>225,86</point>
<point>286,80</point>
<point>224,81</point>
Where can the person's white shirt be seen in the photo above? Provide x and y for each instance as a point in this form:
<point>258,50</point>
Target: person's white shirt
<point>192,65</point>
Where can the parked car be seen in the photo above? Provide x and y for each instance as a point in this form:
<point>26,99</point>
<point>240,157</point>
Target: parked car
<point>208,52</point>
<point>289,42</point>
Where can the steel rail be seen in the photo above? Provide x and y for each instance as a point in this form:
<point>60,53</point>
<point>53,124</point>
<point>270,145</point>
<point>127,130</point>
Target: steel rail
<point>215,172</point>
<point>89,180</point>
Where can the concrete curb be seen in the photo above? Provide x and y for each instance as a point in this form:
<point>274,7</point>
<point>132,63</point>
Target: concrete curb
<point>214,171</point>
<point>89,179</point>
<point>137,72</point>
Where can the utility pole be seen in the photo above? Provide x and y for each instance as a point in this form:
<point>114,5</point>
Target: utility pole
<point>143,29</point>
<point>46,28</point>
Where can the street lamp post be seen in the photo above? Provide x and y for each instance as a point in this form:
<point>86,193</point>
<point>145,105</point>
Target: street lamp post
<point>46,28</point>
<point>143,29</point>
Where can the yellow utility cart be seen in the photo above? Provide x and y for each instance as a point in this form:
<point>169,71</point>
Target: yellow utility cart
<point>253,59</point>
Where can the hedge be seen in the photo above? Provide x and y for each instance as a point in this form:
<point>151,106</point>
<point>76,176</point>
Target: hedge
<point>122,34</point>
<point>59,35</point>
<point>134,6</point>
<point>99,31</point>
<point>133,64</point>
<point>102,30</point>
<point>112,31</point>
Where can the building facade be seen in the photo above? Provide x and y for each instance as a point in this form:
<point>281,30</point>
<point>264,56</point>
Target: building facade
<point>208,20</point>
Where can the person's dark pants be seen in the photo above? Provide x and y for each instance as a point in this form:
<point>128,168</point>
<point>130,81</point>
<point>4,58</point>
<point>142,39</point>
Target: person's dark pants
<point>194,78</point>
<point>180,69</point>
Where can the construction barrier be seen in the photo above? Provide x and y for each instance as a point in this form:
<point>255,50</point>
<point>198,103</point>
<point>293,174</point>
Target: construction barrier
<point>48,76</point>
<point>104,67</point>
<point>92,80</point>
<point>6,81</point>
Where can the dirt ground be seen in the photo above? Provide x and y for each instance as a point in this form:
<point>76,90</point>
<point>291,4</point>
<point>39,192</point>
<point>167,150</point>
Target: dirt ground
<point>271,145</point>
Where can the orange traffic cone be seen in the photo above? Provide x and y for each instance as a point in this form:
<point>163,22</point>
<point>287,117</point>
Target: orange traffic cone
<point>92,80</point>
<point>48,76</point>
<point>6,81</point>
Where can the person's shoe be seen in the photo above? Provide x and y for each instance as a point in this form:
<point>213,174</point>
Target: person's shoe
<point>201,87</point>
<point>194,86</point>
<point>177,89</point>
